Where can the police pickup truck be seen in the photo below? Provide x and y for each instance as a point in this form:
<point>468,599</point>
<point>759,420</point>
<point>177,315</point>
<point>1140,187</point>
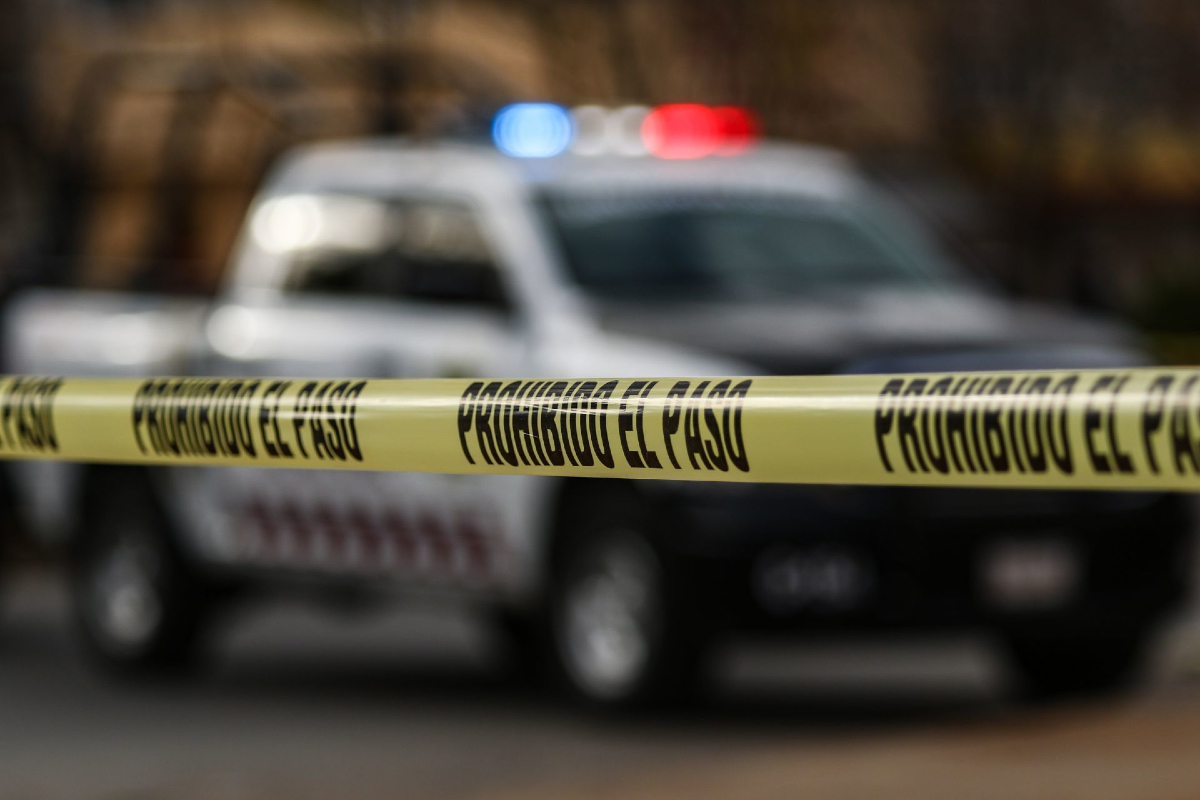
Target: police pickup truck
<point>545,255</point>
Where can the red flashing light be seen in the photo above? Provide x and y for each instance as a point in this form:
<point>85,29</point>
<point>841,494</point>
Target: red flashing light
<point>739,129</point>
<point>684,130</point>
<point>689,130</point>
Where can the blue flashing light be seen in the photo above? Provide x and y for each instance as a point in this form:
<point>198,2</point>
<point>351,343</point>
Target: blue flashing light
<point>533,130</point>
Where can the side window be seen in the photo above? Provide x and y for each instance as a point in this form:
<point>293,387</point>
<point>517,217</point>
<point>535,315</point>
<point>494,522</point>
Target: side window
<point>442,256</point>
<point>421,251</point>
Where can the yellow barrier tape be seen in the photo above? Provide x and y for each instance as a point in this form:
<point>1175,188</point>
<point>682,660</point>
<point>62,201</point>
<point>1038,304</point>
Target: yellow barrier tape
<point>1090,429</point>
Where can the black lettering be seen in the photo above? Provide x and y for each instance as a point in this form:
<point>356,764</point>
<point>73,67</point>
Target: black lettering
<point>600,442</point>
<point>907,427</point>
<point>1152,416</point>
<point>581,436</point>
<point>648,456</point>
<point>716,449</point>
<point>334,436</point>
<point>139,412</point>
<point>672,413</point>
<point>535,423</point>
<point>549,430</point>
<point>1061,455</point>
<point>1121,457</point>
<point>1092,423</point>
<point>956,427</point>
<point>937,455</point>
<point>352,446</point>
<point>566,419</point>
<point>885,415</point>
<point>504,436</point>
<point>1038,460</point>
<point>735,445</point>
<point>466,413</point>
<point>1019,401</point>
<point>1181,432</point>
<point>993,431</point>
<point>692,438</point>
<point>625,423</point>
<point>976,406</point>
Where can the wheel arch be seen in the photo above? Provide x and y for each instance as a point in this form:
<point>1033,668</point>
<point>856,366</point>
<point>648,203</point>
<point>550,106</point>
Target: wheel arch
<point>96,479</point>
<point>575,490</point>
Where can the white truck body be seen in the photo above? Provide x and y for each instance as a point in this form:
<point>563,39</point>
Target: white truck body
<point>473,533</point>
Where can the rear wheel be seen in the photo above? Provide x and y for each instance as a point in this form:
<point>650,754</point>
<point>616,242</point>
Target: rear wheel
<point>1066,666</point>
<point>140,606</point>
<point>619,628</point>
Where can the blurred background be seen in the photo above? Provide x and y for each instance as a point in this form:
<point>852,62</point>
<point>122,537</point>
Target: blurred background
<point>1052,147</point>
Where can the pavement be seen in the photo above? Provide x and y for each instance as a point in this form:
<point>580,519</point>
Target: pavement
<point>302,703</point>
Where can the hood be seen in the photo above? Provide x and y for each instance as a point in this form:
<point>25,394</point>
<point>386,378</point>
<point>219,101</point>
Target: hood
<point>877,332</point>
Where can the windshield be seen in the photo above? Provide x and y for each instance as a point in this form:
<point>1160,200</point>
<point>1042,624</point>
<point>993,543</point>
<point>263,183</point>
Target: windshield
<point>692,246</point>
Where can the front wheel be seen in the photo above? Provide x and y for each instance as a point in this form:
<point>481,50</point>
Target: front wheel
<point>621,634</point>
<point>139,605</point>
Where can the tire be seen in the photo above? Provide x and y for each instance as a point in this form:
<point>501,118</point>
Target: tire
<point>1065,667</point>
<point>140,607</point>
<point>620,630</point>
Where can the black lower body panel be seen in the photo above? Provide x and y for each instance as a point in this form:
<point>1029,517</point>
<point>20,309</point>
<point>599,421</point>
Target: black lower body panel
<point>784,558</point>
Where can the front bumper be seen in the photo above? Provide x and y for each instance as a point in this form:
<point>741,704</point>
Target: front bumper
<point>886,557</point>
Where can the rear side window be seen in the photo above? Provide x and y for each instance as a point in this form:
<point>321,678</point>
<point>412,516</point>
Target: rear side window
<point>430,251</point>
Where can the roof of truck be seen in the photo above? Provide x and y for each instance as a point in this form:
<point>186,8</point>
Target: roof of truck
<point>380,165</point>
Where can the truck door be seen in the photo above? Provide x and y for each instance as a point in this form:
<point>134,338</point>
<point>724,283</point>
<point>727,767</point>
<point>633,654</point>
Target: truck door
<point>405,288</point>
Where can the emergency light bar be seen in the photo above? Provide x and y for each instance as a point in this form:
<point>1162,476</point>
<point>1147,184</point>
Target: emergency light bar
<point>677,131</point>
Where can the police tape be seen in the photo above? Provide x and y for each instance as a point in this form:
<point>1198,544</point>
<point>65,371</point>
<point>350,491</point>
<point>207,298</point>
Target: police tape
<point>1088,429</point>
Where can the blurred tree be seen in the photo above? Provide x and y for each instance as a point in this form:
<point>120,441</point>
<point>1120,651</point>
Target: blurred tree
<point>20,153</point>
<point>1076,117</point>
